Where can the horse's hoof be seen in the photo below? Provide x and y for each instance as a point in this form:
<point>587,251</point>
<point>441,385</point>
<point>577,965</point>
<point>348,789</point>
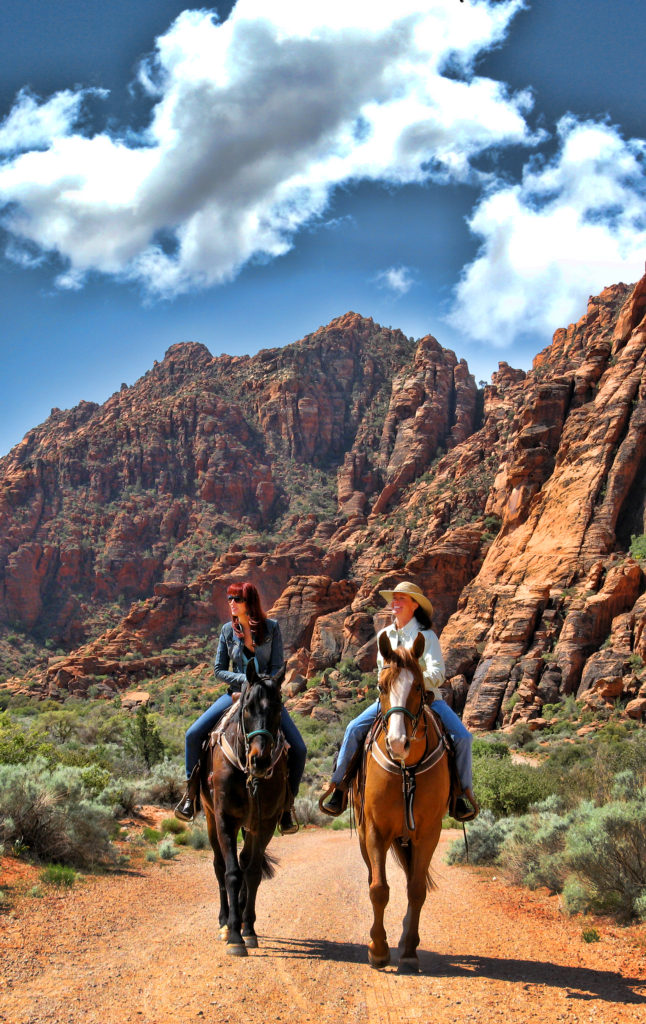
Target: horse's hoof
<point>237,949</point>
<point>408,965</point>
<point>251,941</point>
<point>378,962</point>
<point>224,932</point>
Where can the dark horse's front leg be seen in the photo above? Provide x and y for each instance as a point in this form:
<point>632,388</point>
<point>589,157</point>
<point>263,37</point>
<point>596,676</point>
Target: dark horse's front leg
<point>227,827</point>
<point>251,861</point>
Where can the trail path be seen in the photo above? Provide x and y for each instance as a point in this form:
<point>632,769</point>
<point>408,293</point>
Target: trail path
<point>142,947</point>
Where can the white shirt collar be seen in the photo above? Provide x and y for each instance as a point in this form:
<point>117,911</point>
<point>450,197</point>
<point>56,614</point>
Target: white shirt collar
<point>407,632</point>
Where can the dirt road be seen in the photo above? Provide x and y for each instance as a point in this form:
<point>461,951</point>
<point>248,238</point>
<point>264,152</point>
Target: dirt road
<point>143,947</point>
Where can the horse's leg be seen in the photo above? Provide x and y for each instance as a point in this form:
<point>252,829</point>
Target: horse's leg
<point>421,854</point>
<point>218,867</point>
<point>227,834</point>
<point>253,854</point>
<point>376,849</point>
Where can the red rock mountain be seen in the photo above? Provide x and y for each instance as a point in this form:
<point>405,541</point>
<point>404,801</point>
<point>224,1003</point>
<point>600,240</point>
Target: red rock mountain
<point>326,471</point>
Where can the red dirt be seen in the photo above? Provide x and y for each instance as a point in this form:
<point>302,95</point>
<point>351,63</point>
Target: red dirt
<point>142,947</point>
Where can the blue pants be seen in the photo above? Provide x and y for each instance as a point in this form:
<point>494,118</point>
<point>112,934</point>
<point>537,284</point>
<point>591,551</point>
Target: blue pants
<point>200,729</point>
<point>357,730</point>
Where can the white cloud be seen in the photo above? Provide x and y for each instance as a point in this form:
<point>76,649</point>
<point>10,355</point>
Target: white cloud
<point>572,226</point>
<point>32,124</point>
<point>254,122</point>
<point>397,279</point>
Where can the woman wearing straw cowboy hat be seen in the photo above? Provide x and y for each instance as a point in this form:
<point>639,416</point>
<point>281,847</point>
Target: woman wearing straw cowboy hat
<point>412,614</point>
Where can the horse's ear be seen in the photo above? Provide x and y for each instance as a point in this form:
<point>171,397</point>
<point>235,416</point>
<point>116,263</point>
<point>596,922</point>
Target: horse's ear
<point>251,671</point>
<point>385,648</point>
<point>277,679</point>
<point>418,646</point>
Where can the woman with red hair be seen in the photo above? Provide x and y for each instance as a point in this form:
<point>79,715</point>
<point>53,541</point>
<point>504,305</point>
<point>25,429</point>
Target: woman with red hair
<point>249,635</point>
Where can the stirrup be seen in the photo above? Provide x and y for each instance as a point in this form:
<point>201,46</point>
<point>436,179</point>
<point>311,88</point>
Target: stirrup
<point>333,812</point>
<point>463,810</point>
<point>288,824</point>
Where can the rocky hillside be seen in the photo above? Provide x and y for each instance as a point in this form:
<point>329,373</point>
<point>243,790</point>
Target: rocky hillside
<point>325,471</point>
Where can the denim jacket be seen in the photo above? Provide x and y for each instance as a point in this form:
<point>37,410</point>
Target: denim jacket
<point>230,655</point>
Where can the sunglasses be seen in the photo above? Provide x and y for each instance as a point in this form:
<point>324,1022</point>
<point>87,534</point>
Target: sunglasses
<point>236,600</point>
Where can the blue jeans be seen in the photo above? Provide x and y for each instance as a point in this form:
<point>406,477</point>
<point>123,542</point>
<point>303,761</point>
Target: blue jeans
<point>200,729</point>
<point>357,730</point>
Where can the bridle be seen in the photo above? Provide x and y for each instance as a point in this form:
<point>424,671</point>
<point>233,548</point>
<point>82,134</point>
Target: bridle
<point>414,719</point>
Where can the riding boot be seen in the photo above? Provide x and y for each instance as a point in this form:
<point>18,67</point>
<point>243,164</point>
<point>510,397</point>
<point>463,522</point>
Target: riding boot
<point>336,803</point>
<point>288,824</point>
<point>189,805</point>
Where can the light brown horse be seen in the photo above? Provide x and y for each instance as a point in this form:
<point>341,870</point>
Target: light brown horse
<point>403,799</point>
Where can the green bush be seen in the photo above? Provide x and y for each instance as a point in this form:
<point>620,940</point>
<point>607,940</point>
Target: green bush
<point>638,546</point>
<point>533,854</point>
<point>164,784</point>
<point>198,838</point>
<point>605,849</point>
<point>167,849</point>
<point>172,825</point>
<point>490,749</point>
<point>51,815</point>
<point>58,874</point>
<point>486,837</point>
<point>506,788</point>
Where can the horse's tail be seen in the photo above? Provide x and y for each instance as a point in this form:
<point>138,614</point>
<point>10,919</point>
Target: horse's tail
<point>402,852</point>
<point>268,866</point>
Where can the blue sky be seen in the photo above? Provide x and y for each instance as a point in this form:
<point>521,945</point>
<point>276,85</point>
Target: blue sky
<point>239,177</point>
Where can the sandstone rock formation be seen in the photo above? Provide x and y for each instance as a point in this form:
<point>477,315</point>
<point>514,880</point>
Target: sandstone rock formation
<point>327,471</point>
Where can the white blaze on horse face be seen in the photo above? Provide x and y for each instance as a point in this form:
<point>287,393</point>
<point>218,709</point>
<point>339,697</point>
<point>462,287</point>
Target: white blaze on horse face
<point>399,692</point>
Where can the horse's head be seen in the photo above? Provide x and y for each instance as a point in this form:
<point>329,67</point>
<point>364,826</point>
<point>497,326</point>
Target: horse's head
<point>401,693</point>
<point>260,707</point>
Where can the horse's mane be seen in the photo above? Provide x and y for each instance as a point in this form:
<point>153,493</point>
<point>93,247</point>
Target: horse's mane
<point>402,658</point>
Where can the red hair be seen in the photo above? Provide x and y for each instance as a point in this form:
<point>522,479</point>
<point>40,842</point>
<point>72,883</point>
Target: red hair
<point>257,617</point>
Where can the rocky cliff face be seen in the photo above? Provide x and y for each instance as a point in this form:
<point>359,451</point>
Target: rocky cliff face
<point>328,470</point>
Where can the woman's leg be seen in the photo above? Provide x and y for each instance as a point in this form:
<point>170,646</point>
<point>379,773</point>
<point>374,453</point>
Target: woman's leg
<point>355,733</point>
<point>200,729</point>
<point>297,752</point>
<point>462,740</point>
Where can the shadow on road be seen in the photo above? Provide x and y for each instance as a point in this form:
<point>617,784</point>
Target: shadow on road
<point>577,982</point>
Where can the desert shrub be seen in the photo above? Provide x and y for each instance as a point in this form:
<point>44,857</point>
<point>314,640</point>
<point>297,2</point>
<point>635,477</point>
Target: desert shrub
<point>307,811</point>
<point>198,838</point>
<point>143,739</point>
<point>506,788</point>
<point>164,784</point>
<point>172,825</point>
<point>58,874</point>
<point>181,839</point>
<point>121,797</point>
<point>51,815</point>
<point>521,735</point>
<point>533,853</point>
<point>151,835</point>
<point>167,849</point>
<point>95,779</point>
<point>605,850</point>
<point>486,836</point>
<point>638,545</point>
<point>490,749</point>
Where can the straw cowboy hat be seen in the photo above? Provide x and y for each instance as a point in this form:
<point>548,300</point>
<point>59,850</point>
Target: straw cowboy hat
<point>413,591</point>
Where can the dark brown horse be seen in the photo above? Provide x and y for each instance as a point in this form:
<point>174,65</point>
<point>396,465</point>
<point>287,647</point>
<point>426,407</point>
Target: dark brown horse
<point>243,787</point>
<point>403,798</point>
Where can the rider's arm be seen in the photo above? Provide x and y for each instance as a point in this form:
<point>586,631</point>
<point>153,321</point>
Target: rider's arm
<point>277,656</point>
<point>233,680</point>
<point>432,662</point>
